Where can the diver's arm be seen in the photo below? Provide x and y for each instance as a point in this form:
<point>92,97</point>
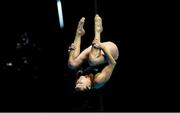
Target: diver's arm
<point>102,77</point>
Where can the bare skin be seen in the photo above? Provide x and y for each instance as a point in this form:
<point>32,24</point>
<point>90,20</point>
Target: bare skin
<point>96,54</point>
<point>93,55</point>
<point>85,83</point>
<point>102,77</point>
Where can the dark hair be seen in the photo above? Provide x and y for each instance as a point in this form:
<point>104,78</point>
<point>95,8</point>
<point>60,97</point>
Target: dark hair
<point>90,72</point>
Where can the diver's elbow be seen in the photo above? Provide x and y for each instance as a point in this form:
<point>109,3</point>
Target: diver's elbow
<point>113,63</point>
<point>72,65</point>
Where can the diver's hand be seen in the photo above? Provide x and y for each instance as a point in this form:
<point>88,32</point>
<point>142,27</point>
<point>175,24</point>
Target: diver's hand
<point>71,47</point>
<point>97,44</point>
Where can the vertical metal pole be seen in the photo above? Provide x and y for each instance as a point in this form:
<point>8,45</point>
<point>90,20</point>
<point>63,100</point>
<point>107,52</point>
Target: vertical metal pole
<point>101,101</point>
<point>95,7</point>
<point>100,93</point>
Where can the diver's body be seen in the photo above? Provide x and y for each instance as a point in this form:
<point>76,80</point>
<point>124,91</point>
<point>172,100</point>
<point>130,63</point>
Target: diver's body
<point>96,54</point>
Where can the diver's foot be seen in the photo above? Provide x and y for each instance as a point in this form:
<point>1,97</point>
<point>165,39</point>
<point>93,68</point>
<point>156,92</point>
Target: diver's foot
<point>80,29</point>
<point>98,24</point>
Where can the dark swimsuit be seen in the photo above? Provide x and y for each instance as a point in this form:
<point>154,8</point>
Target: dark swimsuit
<point>86,70</point>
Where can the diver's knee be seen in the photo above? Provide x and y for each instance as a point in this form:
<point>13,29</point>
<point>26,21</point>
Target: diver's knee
<point>72,65</point>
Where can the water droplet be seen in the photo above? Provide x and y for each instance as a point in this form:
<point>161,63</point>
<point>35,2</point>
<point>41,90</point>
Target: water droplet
<point>9,64</point>
<point>25,60</point>
<point>18,45</point>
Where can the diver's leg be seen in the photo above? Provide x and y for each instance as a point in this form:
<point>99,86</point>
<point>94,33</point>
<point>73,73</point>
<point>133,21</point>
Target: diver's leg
<point>75,58</point>
<point>98,28</point>
<point>74,49</point>
<point>95,52</point>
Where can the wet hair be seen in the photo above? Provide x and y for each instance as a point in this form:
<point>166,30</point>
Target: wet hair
<point>90,72</point>
<point>78,90</point>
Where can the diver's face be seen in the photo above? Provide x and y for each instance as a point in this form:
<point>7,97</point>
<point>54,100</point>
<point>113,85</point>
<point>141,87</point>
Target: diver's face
<point>83,83</point>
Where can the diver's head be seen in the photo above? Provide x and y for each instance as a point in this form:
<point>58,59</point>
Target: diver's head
<point>83,83</point>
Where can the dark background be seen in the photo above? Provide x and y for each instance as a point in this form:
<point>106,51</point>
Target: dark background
<point>33,59</point>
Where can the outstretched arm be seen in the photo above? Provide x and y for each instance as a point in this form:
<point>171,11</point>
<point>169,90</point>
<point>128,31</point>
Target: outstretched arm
<point>102,77</point>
